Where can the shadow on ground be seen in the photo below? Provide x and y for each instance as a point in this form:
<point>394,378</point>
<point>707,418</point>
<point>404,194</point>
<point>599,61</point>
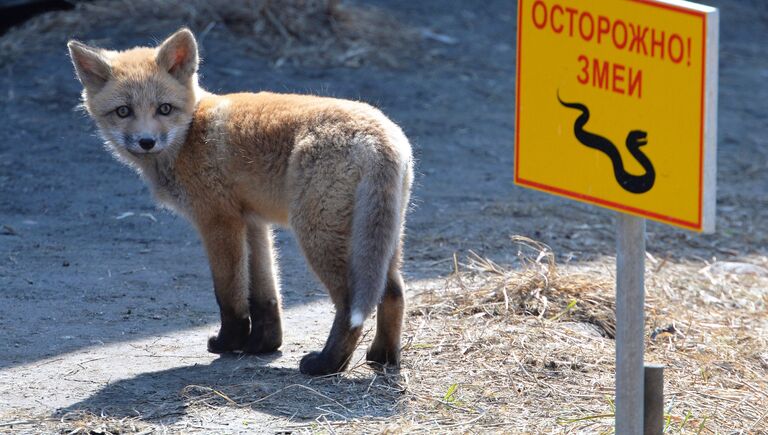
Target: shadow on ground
<point>244,382</point>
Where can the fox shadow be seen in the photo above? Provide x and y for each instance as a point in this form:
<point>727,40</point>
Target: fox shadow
<point>242,382</point>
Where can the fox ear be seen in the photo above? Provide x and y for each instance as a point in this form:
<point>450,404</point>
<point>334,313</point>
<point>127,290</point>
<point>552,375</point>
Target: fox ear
<point>178,55</point>
<point>91,66</point>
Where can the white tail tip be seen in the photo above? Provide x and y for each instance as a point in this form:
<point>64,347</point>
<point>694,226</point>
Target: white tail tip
<point>356,319</point>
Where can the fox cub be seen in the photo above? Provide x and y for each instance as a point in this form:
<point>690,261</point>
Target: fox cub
<point>337,172</point>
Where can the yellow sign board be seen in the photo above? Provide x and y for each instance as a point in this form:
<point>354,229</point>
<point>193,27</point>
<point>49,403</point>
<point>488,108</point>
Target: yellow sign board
<point>616,105</point>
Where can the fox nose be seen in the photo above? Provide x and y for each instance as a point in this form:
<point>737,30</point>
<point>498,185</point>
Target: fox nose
<point>146,143</point>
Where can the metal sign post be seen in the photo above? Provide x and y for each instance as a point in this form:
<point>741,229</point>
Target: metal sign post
<point>630,299</point>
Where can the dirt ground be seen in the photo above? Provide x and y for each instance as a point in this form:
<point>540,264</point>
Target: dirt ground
<point>106,301</point>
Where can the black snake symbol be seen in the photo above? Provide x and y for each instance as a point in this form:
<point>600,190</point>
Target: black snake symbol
<point>635,139</point>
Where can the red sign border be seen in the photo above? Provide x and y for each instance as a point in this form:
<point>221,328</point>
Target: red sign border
<point>610,204</point>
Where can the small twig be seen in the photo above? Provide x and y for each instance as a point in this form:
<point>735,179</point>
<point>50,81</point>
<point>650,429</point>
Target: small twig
<point>23,422</point>
<point>299,386</point>
<point>754,425</point>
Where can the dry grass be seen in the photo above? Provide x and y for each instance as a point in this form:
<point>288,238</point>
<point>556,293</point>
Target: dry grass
<point>523,350</point>
<point>475,362</point>
<point>317,32</point>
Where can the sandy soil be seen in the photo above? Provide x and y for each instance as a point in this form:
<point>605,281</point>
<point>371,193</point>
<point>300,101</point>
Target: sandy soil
<point>105,312</point>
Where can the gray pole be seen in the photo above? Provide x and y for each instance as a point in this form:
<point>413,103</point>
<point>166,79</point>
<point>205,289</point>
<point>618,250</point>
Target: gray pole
<point>630,299</point>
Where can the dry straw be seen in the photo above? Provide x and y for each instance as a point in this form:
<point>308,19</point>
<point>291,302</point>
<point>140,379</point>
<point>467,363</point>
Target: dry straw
<point>316,32</point>
<point>530,349</point>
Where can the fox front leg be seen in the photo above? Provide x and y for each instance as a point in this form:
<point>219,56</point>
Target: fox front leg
<point>264,293</point>
<point>225,241</point>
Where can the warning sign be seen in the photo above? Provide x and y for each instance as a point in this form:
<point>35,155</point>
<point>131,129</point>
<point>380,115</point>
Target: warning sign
<point>616,105</point>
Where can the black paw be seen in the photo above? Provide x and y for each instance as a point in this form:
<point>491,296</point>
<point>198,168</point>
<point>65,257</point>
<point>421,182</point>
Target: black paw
<point>264,339</point>
<point>319,364</point>
<point>380,356</point>
<point>231,337</point>
<point>217,344</point>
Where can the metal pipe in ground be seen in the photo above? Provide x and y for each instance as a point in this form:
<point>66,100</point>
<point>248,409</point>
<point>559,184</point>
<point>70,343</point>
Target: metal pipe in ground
<point>653,401</point>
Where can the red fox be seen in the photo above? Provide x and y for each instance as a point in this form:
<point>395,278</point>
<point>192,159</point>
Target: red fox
<point>337,172</point>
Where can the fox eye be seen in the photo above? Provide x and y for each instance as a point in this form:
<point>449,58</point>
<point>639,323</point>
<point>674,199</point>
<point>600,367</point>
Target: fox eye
<point>123,111</point>
<point>164,109</point>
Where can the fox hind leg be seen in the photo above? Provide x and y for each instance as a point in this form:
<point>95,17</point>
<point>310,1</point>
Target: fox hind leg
<point>326,252</point>
<point>331,268</point>
<point>385,349</point>
<point>338,350</point>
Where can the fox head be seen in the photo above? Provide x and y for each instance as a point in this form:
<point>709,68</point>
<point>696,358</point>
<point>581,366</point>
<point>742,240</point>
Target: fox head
<point>141,99</point>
